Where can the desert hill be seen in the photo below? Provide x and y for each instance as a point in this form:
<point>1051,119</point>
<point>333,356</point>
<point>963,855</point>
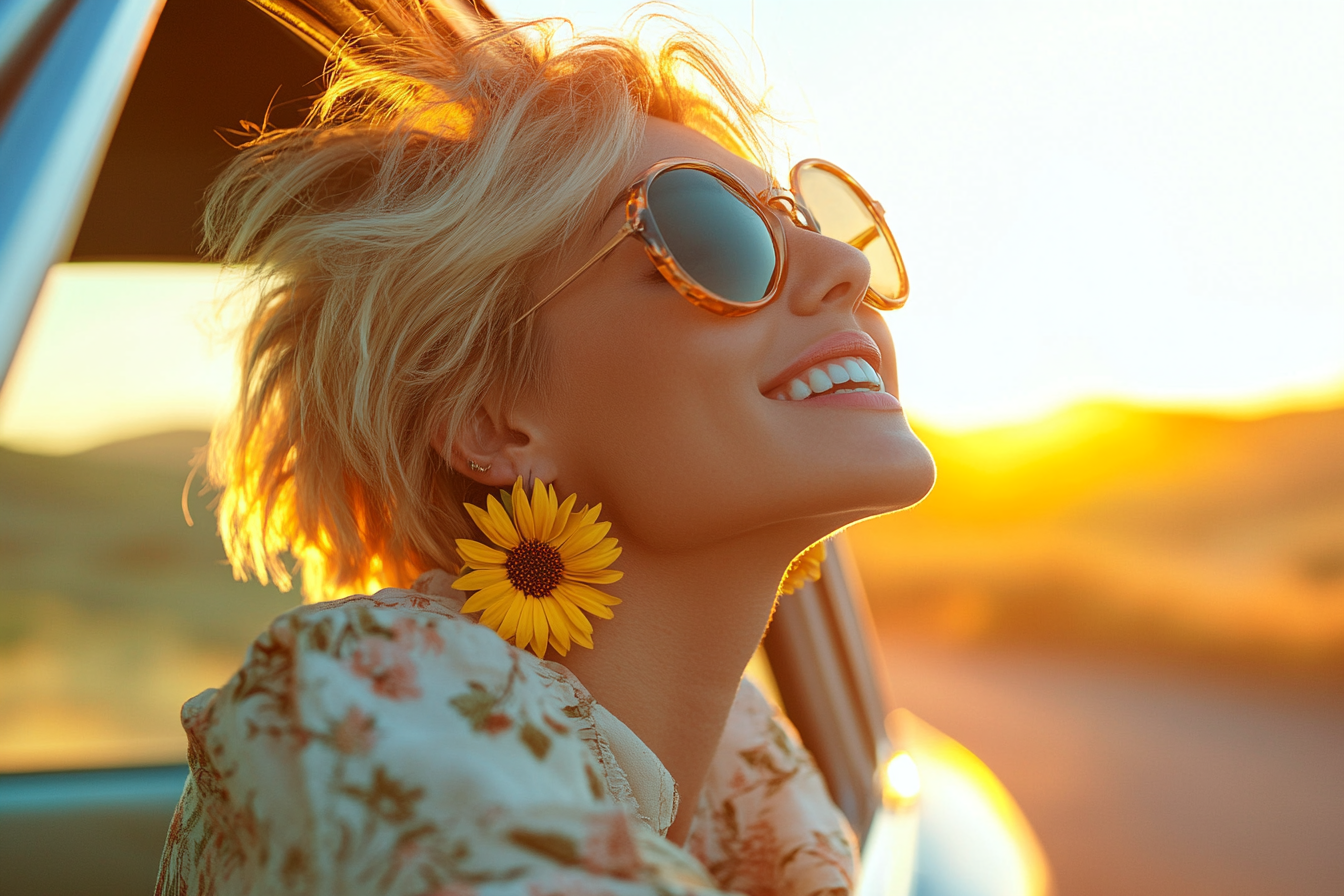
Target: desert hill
<point>112,610</point>
<point>1114,526</point>
<point>165,451</point>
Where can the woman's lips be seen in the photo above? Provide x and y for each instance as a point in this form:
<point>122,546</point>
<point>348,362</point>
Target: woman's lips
<point>875,401</point>
<point>852,344</point>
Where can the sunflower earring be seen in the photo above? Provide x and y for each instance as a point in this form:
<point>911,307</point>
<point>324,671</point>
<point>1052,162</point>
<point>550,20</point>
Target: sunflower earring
<point>535,584</point>
<point>806,567</point>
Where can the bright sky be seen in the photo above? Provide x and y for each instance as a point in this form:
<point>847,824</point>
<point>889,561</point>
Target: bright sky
<point>1134,200</point>
<point>117,350</point>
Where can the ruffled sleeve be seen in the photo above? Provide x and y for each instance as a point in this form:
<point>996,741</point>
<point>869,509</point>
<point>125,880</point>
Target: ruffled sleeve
<point>385,745</point>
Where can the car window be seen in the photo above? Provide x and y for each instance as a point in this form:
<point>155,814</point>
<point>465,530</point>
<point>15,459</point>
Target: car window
<point>113,609</point>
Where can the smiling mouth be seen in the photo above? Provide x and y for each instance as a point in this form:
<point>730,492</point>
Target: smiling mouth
<point>833,377</point>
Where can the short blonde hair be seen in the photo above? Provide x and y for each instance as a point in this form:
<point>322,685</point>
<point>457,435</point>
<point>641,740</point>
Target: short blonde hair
<point>393,236</point>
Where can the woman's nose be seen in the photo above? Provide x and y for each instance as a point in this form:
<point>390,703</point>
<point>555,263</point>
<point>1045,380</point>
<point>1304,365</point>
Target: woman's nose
<point>823,273</point>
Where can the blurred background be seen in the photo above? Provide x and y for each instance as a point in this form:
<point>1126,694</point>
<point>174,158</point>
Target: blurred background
<point>1124,224</point>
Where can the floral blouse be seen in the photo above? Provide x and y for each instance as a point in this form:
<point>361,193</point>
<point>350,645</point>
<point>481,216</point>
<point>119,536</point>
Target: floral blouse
<point>390,745</point>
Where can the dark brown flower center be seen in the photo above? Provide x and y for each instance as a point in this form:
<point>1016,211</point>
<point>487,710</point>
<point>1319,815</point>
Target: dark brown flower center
<point>534,567</point>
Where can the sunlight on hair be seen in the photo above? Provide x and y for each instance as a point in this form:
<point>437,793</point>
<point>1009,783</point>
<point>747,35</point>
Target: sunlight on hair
<point>451,121</point>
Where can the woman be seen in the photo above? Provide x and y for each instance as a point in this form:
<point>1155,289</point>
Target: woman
<point>499,284</point>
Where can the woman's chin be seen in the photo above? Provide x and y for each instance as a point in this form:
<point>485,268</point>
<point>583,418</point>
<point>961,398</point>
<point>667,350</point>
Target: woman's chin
<point>901,479</point>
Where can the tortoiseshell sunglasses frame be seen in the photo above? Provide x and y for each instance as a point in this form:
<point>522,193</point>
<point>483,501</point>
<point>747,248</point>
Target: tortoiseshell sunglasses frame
<point>638,216</point>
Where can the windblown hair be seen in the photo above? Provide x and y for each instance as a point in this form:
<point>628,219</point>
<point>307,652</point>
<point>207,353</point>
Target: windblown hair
<point>392,238</point>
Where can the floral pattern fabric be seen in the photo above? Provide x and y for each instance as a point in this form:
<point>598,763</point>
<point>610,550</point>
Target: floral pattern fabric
<point>387,744</point>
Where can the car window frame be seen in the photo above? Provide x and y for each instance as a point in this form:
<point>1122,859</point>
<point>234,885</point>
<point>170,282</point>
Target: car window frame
<point>65,72</point>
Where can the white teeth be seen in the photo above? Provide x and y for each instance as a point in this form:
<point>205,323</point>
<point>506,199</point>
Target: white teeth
<point>837,373</point>
<point>824,378</point>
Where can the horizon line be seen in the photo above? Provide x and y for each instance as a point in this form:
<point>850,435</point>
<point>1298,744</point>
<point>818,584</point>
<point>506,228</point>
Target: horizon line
<point>1315,400</point>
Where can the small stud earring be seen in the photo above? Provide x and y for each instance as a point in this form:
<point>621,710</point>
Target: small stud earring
<point>477,468</point>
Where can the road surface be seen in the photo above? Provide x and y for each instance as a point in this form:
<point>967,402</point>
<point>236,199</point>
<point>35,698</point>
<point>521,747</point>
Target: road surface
<point>1144,781</point>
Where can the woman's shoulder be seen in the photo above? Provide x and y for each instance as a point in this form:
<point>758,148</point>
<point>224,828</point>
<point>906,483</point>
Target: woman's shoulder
<point>376,662</point>
<point>383,637</point>
<point>430,605</point>
<point>390,731</point>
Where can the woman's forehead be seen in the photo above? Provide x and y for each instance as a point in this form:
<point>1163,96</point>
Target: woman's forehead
<point>666,139</point>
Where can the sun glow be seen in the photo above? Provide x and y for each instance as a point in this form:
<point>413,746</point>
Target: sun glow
<point>900,780</point>
<point>116,350</point>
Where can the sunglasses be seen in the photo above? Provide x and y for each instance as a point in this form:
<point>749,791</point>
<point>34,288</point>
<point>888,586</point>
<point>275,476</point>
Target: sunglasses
<point>722,246</point>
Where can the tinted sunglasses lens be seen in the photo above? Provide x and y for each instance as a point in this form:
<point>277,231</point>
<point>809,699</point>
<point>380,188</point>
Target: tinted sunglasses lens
<point>713,234</point>
<point>841,214</point>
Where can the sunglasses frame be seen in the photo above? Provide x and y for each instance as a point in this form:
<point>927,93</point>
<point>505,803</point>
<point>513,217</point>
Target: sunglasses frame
<point>879,216</point>
<point>638,217</point>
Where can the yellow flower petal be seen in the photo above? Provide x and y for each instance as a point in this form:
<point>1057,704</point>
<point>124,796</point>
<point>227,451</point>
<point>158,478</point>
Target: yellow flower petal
<point>523,636</point>
<point>597,577</point>
<point>543,510</point>
<point>509,626</point>
<point>585,538</point>
<point>601,597</point>
<point>806,567</point>
<point>487,596</point>
<point>585,598</point>
<point>480,555</point>
<point>480,578</point>
<point>508,533</point>
<point>488,526</point>
<point>561,517</point>
<point>575,522</point>
<point>558,621</point>
<point>522,511</point>
<point>593,560</point>
<point>493,617</point>
<point>563,651</point>
<point>583,639</point>
<point>606,544</point>
<point>581,629</point>
<point>579,622</point>
<point>541,629</point>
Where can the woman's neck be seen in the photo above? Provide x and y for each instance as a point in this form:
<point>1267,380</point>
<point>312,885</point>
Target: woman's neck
<point>669,663</point>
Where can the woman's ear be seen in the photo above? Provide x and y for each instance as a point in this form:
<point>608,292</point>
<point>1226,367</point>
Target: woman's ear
<point>488,449</point>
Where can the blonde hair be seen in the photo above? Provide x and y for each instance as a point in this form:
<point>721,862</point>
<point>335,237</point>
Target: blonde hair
<point>393,236</point>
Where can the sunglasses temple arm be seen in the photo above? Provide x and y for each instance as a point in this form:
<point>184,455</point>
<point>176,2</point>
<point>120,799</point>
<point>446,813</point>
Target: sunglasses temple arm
<point>606,250</point>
